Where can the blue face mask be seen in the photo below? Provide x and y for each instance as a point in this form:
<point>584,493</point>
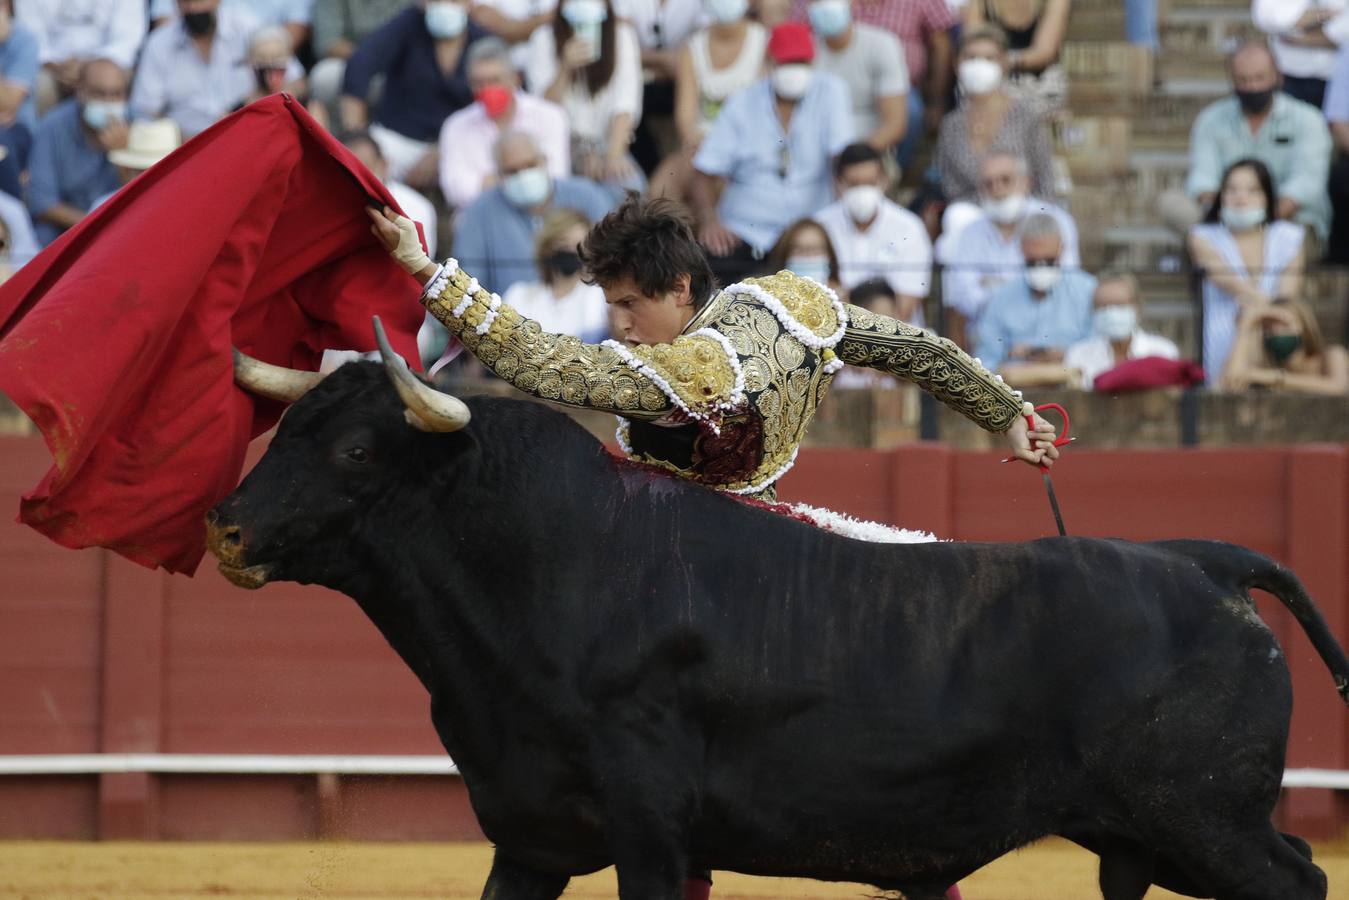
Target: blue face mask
<point>445,20</point>
<point>830,17</point>
<point>816,267</point>
<point>99,114</point>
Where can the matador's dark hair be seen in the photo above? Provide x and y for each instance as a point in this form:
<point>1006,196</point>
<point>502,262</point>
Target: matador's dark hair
<point>651,241</point>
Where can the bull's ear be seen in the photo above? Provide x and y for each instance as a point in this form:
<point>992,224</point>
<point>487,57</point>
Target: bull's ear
<point>425,408</point>
<point>273,382</point>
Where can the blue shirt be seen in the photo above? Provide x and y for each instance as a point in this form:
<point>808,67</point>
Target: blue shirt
<point>67,166</point>
<point>418,97</point>
<point>1336,104</point>
<point>494,238</point>
<point>772,178</point>
<point>1293,141</point>
<point>1015,317</point>
<point>19,64</point>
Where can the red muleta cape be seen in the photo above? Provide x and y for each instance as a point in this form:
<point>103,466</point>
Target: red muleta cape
<point>116,339</point>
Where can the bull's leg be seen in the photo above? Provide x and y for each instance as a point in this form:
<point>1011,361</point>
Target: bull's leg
<point>1126,870</point>
<point>1259,865</point>
<point>651,861</point>
<point>509,880</point>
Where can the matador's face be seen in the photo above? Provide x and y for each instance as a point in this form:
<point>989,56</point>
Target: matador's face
<point>638,318</point>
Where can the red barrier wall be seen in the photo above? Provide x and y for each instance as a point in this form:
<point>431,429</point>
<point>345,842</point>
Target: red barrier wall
<point>98,655</point>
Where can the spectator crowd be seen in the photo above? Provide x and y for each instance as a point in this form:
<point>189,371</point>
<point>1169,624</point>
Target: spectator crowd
<point>507,127</point>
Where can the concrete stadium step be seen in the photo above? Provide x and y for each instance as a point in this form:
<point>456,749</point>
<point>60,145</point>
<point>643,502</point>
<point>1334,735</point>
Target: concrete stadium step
<point>1101,24</point>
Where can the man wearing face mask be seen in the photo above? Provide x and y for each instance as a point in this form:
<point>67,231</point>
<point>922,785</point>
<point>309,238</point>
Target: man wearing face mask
<point>1259,122</point>
<point>1115,333</point>
<point>494,236</point>
<point>875,237</point>
<point>195,69</point>
<point>468,136</point>
<point>769,154</point>
<point>1031,321</point>
<point>987,252</point>
<point>871,61</point>
<point>69,169</point>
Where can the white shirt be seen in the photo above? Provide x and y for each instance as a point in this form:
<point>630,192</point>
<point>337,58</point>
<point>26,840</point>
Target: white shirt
<point>582,313</point>
<point>895,247</point>
<point>1093,356</point>
<point>418,209</point>
<point>520,10</point>
<point>85,29</point>
<point>22,241</point>
<point>590,116</point>
<point>1278,18</point>
<point>662,24</point>
<point>468,137</point>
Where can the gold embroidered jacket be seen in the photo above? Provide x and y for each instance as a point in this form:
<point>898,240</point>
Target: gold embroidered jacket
<point>728,402</point>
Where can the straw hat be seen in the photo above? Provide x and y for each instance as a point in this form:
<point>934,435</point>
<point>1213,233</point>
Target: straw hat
<point>147,143</point>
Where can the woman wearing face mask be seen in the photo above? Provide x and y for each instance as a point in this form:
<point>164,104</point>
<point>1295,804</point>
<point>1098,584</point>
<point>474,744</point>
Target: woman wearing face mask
<point>589,62</point>
<point>1035,30</point>
<point>717,61</point>
<point>988,119</point>
<point>1246,255</point>
<point>1280,346</point>
<point>804,248</point>
<point>560,301</point>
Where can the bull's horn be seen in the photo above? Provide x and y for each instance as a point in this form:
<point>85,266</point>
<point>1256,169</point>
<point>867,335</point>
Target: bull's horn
<point>427,409</point>
<point>272,382</point>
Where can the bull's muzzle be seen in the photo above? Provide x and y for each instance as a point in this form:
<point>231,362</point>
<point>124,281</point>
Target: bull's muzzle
<point>225,540</point>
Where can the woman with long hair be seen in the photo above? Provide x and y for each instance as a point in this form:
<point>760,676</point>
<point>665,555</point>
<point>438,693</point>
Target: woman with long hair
<point>1280,346</point>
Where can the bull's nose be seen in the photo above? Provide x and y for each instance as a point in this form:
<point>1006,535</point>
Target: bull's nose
<point>224,539</point>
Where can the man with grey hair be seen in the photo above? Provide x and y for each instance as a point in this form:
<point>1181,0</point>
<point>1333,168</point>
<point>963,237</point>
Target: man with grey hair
<point>1116,335</point>
<point>1030,321</point>
<point>988,251</point>
<point>494,235</point>
<point>467,137</point>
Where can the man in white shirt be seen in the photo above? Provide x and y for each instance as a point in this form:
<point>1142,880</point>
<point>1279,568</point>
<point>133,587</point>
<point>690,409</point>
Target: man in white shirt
<point>72,32</point>
<point>195,69</point>
<point>988,251</point>
<point>1303,37</point>
<point>875,237</point>
<point>467,166</point>
<point>1116,335</point>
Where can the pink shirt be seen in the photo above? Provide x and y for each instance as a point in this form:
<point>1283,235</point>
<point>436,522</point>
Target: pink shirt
<point>468,136</point>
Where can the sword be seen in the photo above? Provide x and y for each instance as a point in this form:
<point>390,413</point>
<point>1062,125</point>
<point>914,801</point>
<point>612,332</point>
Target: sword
<point>1060,441</point>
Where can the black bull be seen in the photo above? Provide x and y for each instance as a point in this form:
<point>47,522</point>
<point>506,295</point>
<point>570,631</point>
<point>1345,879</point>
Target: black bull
<point>635,671</point>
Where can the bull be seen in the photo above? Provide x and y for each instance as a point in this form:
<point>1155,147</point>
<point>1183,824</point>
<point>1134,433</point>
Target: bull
<point>636,671</point>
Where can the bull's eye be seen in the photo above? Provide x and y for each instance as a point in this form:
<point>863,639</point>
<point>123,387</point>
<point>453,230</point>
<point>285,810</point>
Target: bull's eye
<point>358,455</point>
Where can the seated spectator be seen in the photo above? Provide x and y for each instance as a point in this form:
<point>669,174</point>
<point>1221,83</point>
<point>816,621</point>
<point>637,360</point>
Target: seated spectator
<point>561,301</point>
<point>339,26</point>
<point>414,204</point>
<point>1280,346</point>
<point>1031,321</point>
<point>987,251</point>
<point>468,136</point>
<point>1246,255</point>
<point>871,62</point>
<point>804,248</point>
<point>195,69</point>
<point>1115,333</point>
<point>1258,122</point>
<point>589,62</point>
<point>18,112</point>
<point>1337,114</point>
<point>1303,37</point>
<point>71,33</point>
<point>70,169</point>
<point>421,52</point>
<point>768,155</point>
<point>147,143</point>
<point>291,15</point>
<point>875,237</point>
<point>990,120</point>
<point>275,69</point>
<point>515,21</point>
<point>21,243</point>
<point>494,235</point>
<point>1035,31</point>
<point>717,61</point>
<point>877,296</point>
<point>663,27</point>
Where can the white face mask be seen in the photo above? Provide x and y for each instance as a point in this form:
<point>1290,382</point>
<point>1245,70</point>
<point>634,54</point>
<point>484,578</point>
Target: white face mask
<point>528,187</point>
<point>1009,209</point>
<point>1237,219</point>
<point>862,201</point>
<point>726,11</point>
<point>979,76</point>
<point>445,20</point>
<point>1043,278</point>
<point>791,81</point>
<point>1114,322</point>
<point>584,12</point>
<point>816,267</point>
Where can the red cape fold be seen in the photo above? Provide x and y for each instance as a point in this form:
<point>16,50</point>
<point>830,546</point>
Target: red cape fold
<point>116,340</point>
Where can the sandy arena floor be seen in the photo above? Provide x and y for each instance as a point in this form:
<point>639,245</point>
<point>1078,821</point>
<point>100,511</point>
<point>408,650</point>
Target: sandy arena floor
<point>1052,870</point>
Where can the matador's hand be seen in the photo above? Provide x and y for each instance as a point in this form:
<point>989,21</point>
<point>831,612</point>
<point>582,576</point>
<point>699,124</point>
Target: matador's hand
<point>398,234</point>
<point>1033,447</point>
